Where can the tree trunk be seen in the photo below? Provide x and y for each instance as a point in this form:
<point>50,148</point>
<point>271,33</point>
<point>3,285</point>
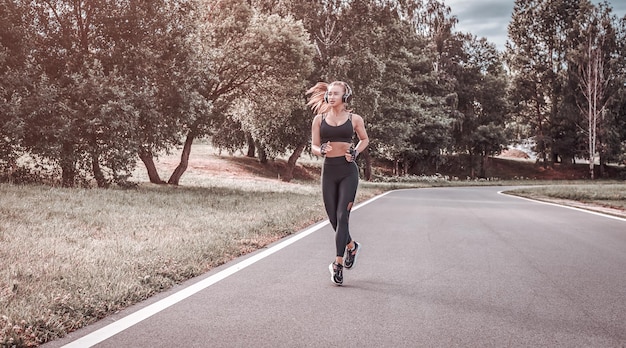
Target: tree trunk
<point>262,154</point>
<point>291,163</point>
<point>482,172</point>
<point>405,167</point>
<point>68,165</point>
<point>602,166</point>
<point>184,160</point>
<point>540,145</point>
<point>472,165</point>
<point>148,160</point>
<point>97,171</point>
<point>367,170</point>
<point>251,146</point>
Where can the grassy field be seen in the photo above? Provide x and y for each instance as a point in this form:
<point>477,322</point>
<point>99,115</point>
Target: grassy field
<point>73,256</point>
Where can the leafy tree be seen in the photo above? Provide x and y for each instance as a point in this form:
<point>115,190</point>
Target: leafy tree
<point>367,30</point>
<point>77,113</point>
<point>272,111</point>
<point>63,50</point>
<point>618,104</point>
<point>256,68</point>
<point>152,45</point>
<point>434,22</point>
<point>330,26</point>
<point>597,58</point>
<point>482,102</point>
<point>400,116</point>
<point>14,48</point>
<point>539,33</point>
<point>396,69</point>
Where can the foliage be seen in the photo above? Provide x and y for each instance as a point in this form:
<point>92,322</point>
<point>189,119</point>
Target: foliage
<point>92,85</point>
<point>271,111</point>
<point>93,94</point>
<point>14,47</point>
<point>248,59</point>
<point>547,43</point>
<point>482,106</point>
<point>536,57</point>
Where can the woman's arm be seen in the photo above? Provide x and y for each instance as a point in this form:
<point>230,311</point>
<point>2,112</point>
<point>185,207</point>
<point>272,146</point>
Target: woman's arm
<point>316,146</point>
<point>359,128</point>
<point>361,133</point>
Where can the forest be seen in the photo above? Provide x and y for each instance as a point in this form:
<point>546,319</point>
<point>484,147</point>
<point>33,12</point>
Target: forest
<point>91,89</point>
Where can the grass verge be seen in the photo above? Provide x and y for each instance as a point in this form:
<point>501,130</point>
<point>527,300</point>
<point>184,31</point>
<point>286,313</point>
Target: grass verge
<point>608,194</point>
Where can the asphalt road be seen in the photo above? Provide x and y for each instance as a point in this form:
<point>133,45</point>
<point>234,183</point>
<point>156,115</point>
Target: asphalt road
<point>443,267</point>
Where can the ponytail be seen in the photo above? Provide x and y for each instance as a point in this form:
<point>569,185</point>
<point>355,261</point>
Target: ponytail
<point>316,101</point>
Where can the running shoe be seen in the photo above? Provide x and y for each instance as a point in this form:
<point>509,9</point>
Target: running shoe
<point>351,255</point>
<point>336,273</point>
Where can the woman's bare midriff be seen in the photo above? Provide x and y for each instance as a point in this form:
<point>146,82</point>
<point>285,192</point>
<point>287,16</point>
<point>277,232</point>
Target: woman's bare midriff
<point>338,149</point>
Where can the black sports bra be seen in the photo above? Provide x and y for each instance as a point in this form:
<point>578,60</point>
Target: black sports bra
<point>342,133</point>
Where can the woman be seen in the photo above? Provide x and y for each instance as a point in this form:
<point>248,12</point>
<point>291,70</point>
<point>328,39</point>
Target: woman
<point>332,131</point>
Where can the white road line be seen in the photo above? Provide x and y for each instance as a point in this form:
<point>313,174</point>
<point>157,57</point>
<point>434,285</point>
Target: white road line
<point>144,313</point>
<point>565,206</point>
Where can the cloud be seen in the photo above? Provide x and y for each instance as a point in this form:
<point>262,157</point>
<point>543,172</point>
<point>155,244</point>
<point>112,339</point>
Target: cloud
<point>490,18</point>
<point>619,8</point>
<point>483,18</point>
<point>480,10</point>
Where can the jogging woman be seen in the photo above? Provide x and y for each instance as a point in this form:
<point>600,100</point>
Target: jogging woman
<point>332,133</point>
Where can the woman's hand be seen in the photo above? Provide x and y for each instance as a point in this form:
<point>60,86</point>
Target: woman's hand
<point>351,154</point>
<point>325,148</point>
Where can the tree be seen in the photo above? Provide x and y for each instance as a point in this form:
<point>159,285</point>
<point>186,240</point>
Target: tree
<point>243,50</point>
<point>398,123</point>
<point>107,80</point>
<point>597,77</point>
<point>618,104</point>
<point>272,111</point>
<point>367,31</point>
<point>153,45</point>
<point>539,33</point>
<point>14,47</point>
<point>63,50</point>
<point>482,102</point>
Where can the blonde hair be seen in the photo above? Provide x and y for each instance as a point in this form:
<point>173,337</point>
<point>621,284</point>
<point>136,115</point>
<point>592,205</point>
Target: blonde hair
<point>318,94</point>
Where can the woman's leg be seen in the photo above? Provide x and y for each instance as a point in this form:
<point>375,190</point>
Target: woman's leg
<point>330,194</point>
<point>346,194</point>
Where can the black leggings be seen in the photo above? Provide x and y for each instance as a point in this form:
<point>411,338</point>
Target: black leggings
<point>340,180</point>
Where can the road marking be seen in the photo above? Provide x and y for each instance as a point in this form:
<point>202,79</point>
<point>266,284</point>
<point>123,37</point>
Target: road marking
<point>566,206</point>
<point>144,313</point>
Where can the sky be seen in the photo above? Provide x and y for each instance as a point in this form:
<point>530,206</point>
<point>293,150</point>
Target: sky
<point>490,18</point>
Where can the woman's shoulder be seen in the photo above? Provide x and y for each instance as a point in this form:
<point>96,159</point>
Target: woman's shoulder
<point>356,117</point>
<point>318,118</point>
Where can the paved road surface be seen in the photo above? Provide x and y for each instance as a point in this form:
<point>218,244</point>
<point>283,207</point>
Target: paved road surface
<point>441,267</point>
